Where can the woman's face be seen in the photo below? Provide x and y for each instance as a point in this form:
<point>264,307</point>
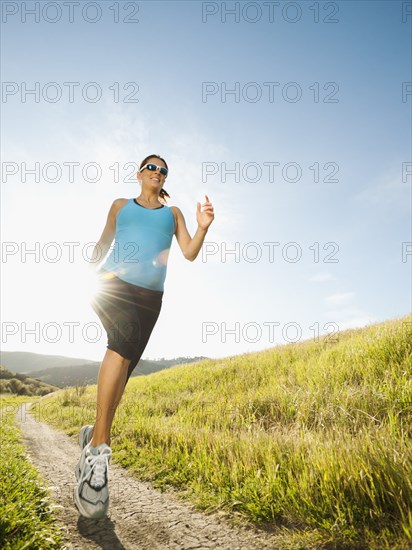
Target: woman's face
<point>152,180</point>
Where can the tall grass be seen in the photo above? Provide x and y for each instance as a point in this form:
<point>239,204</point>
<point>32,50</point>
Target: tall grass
<point>313,439</point>
<point>27,516</point>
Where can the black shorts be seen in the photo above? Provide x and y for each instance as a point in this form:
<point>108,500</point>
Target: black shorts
<point>128,314</point>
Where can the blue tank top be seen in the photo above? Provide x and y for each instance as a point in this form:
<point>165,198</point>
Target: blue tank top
<point>142,244</point>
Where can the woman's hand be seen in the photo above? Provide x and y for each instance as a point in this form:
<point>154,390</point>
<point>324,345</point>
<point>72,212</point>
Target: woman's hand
<point>204,218</point>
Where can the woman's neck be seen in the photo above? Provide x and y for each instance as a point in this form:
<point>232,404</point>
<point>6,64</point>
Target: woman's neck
<point>149,199</point>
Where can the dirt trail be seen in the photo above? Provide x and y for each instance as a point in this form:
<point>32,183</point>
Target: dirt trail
<point>139,517</point>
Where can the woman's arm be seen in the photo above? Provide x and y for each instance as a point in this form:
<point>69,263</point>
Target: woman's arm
<point>190,246</point>
<point>103,244</point>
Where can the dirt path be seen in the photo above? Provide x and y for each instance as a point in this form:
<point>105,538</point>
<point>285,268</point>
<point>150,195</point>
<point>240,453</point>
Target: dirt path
<point>139,517</point>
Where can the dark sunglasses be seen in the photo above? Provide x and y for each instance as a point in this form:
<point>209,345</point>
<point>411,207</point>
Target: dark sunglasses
<point>154,168</point>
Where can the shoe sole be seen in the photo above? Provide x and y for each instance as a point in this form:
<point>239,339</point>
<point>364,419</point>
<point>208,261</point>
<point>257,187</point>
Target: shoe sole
<point>82,511</point>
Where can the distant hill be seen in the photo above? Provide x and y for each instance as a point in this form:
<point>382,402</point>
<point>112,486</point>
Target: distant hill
<point>20,384</point>
<point>25,361</point>
<point>74,375</point>
<point>68,371</point>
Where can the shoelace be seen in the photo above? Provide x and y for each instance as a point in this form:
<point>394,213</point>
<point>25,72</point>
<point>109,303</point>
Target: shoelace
<point>99,465</point>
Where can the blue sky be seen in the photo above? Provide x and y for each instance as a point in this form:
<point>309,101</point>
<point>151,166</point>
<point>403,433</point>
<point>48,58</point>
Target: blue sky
<point>362,139</point>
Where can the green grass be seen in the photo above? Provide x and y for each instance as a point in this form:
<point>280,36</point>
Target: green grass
<point>27,520</point>
<point>313,439</point>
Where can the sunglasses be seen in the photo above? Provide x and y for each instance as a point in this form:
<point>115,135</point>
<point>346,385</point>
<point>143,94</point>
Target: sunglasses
<point>154,168</point>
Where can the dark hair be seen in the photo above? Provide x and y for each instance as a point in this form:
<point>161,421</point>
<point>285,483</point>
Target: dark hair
<point>163,193</point>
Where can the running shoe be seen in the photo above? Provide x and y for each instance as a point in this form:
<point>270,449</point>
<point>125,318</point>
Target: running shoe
<point>85,436</point>
<point>91,495</point>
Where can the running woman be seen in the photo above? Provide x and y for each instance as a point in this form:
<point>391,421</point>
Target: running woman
<point>128,303</point>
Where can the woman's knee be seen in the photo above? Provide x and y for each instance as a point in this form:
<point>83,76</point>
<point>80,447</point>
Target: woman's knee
<point>118,358</point>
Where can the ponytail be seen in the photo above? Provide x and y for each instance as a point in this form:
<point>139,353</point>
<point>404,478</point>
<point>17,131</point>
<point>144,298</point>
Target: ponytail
<point>163,194</point>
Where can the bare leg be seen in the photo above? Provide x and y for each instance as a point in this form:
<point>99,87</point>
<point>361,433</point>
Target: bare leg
<point>110,386</point>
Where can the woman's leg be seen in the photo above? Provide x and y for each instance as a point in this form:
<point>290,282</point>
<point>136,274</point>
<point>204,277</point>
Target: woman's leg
<point>128,314</point>
<point>110,386</point>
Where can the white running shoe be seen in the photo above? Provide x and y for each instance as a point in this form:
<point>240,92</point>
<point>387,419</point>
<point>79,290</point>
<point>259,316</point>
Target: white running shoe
<point>91,495</point>
<point>85,436</point>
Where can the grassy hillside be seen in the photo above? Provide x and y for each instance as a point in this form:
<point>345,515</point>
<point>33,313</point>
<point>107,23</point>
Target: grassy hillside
<point>27,516</point>
<point>313,439</point>
<point>20,384</point>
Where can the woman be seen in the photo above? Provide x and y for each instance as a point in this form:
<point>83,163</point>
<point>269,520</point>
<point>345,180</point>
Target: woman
<point>128,304</point>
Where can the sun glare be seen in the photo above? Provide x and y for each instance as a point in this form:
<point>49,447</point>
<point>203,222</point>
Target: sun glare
<point>88,285</point>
